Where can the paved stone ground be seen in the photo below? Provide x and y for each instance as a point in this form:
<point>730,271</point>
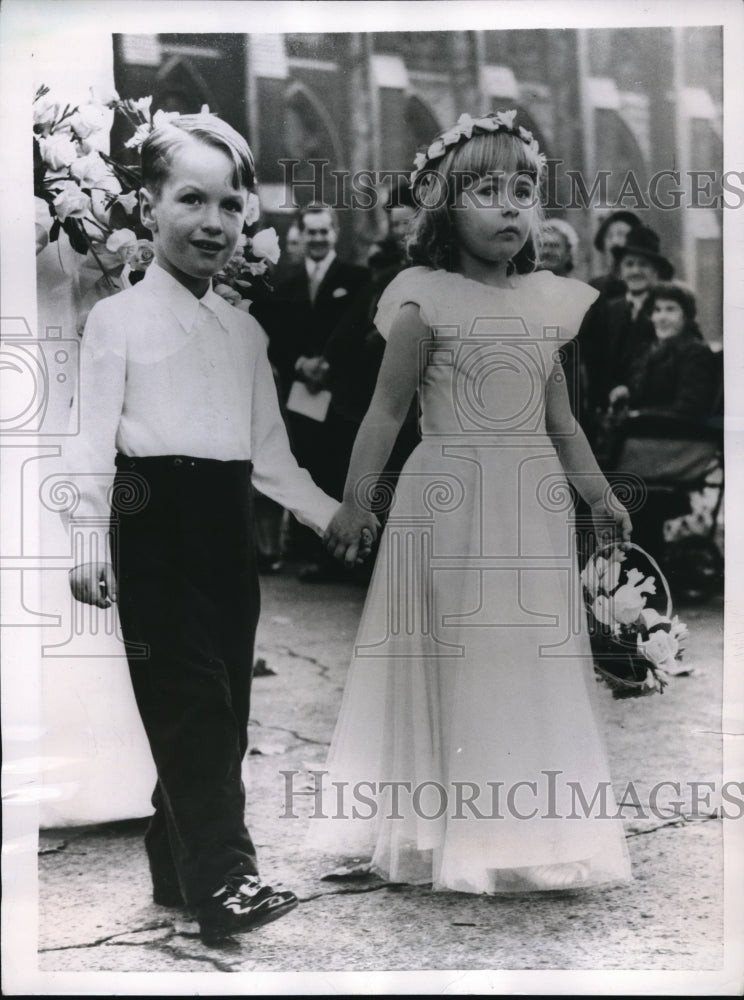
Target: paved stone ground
<point>95,913</point>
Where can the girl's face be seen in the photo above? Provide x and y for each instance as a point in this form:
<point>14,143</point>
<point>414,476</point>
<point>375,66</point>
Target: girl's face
<point>493,219</point>
<point>668,318</point>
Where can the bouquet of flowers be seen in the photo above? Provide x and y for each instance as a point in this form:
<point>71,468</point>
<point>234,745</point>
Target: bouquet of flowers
<point>634,637</point>
<point>93,197</point>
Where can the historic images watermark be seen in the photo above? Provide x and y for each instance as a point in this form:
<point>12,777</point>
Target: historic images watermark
<point>549,795</point>
<point>605,190</point>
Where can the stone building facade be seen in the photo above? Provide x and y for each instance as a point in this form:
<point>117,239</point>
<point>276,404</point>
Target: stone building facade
<point>330,116</point>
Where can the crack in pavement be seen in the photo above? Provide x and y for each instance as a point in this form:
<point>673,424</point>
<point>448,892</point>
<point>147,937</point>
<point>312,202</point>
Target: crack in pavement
<point>107,939</point>
<point>183,953</point>
<point>164,945</point>
<point>292,732</point>
<point>677,821</point>
<point>356,891</point>
<point>323,668</point>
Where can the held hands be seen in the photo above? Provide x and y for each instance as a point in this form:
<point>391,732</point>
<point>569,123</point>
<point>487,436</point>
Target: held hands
<point>313,372</point>
<point>611,520</point>
<point>94,583</point>
<point>351,533</point>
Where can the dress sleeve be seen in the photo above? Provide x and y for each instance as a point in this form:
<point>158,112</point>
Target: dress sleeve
<point>565,302</point>
<point>416,285</point>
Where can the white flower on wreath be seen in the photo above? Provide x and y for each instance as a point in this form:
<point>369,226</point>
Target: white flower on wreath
<point>419,160</point>
<point>71,202</point>
<point>436,149</point>
<point>266,245</point>
<point>506,118</point>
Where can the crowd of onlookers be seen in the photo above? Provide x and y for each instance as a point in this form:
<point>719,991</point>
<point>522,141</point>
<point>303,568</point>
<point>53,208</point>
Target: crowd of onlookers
<point>639,357</point>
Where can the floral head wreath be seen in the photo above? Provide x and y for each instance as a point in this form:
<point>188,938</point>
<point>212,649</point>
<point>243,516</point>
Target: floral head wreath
<point>466,128</point>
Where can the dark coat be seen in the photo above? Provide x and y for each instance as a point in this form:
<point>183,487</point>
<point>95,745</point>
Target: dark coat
<point>298,328</point>
<point>675,376</point>
<point>608,343</point>
<point>608,285</point>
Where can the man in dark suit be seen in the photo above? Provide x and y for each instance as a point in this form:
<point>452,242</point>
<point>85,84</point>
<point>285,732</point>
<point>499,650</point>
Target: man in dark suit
<point>308,304</point>
<point>616,331</point>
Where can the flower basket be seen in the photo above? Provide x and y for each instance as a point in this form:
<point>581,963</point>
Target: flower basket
<point>635,639</point>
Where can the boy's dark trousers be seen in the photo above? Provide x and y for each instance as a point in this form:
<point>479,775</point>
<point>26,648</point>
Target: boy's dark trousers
<point>183,549</point>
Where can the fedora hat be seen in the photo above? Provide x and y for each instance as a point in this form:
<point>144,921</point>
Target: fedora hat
<point>623,215</point>
<point>644,242</point>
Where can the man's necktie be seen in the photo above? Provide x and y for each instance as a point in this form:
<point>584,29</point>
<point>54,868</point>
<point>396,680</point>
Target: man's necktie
<point>314,280</point>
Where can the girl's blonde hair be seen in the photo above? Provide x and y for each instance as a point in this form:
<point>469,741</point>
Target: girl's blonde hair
<point>431,235</point>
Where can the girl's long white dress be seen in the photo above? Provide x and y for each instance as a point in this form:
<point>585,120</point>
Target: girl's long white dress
<point>466,752</point>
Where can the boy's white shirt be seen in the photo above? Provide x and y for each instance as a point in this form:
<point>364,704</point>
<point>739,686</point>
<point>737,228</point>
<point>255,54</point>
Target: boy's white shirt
<point>165,373</point>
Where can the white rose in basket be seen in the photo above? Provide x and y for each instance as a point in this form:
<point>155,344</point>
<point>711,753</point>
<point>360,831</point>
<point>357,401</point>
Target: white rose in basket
<point>660,648</point>
<point>629,600</point>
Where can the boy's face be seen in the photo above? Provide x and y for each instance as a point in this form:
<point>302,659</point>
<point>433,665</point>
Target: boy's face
<point>197,216</point>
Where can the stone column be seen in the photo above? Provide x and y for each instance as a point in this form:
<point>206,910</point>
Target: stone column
<point>364,132</point>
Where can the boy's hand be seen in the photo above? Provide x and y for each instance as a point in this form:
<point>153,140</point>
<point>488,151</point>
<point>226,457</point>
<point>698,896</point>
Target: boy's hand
<point>94,583</point>
<point>351,534</point>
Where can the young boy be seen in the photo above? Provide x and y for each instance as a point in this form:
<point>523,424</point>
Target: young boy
<point>176,382</point>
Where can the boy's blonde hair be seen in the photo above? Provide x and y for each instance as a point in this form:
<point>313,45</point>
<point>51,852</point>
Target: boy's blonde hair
<point>160,145</point>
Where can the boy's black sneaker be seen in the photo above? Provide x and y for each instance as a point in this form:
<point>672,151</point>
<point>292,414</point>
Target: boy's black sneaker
<point>242,904</point>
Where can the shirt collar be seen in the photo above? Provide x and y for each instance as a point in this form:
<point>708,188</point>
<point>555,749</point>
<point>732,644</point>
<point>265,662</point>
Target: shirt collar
<point>319,267</point>
<point>182,303</point>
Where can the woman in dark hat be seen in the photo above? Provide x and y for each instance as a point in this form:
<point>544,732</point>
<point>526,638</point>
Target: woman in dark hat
<point>613,232</point>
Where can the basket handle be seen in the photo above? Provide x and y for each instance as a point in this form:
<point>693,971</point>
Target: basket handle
<point>659,575</point>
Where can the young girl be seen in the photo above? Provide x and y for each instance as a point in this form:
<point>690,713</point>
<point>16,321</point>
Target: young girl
<point>466,753</point>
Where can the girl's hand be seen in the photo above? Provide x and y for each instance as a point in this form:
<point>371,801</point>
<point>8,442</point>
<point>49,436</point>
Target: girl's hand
<point>94,583</point>
<point>612,524</point>
<point>351,533</point>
